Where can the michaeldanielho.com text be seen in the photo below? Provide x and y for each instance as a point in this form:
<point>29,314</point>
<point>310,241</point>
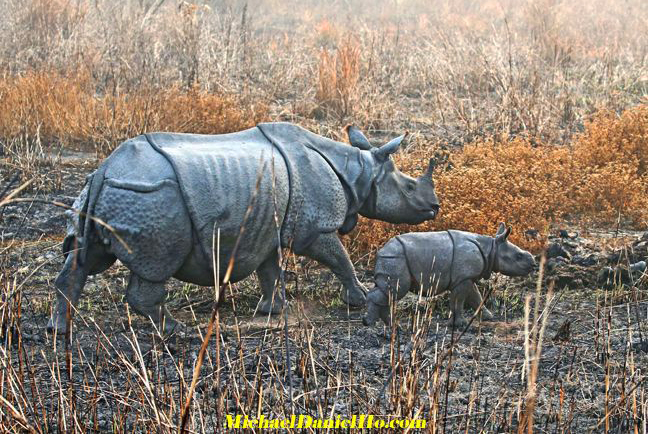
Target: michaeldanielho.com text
<point>304,421</point>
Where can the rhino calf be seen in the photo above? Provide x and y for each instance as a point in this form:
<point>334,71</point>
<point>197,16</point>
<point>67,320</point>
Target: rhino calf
<point>433,262</point>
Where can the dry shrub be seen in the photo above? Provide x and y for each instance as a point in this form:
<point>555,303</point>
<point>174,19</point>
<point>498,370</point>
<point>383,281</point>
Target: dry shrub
<point>327,33</point>
<point>601,180</point>
<point>66,108</point>
<point>546,28</point>
<point>338,76</point>
<point>25,157</point>
<point>616,139</point>
<point>610,168</point>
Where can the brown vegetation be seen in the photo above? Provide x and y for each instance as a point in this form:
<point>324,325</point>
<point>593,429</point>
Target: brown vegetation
<point>600,179</point>
<point>65,109</point>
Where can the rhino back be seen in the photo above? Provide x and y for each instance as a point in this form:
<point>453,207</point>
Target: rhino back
<point>471,251</point>
<point>429,256</point>
<point>136,162</point>
<point>217,176</point>
<point>329,182</point>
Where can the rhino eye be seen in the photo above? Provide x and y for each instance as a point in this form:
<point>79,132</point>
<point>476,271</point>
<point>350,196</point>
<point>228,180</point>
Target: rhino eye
<point>411,186</point>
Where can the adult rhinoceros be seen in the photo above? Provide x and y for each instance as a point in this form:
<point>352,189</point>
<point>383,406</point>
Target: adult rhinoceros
<point>156,202</point>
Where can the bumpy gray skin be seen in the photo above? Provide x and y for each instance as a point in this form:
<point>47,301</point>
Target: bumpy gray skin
<point>429,263</point>
<point>158,201</point>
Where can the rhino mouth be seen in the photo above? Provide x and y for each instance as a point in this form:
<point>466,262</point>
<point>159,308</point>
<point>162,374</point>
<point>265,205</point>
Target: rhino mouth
<point>431,212</point>
<point>424,215</point>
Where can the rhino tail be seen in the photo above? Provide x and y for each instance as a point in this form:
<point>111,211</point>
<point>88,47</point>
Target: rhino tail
<point>95,183</point>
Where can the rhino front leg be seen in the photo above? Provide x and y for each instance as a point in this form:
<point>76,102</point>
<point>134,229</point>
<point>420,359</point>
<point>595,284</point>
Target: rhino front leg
<point>377,307</point>
<point>458,297</point>
<point>474,300</point>
<point>268,273</point>
<point>328,250</point>
<point>147,298</point>
<point>69,283</point>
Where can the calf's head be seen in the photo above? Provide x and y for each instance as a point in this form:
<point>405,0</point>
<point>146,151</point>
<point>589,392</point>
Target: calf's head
<point>396,197</point>
<point>511,260</point>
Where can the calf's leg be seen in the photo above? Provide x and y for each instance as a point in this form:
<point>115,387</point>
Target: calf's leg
<point>458,297</point>
<point>474,299</point>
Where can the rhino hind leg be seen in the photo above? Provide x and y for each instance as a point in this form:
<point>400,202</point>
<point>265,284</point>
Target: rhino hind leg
<point>268,272</point>
<point>474,299</point>
<point>391,276</point>
<point>72,278</point>
<point>147,298</point>
<point>69,283</point>
<point>327,249</point>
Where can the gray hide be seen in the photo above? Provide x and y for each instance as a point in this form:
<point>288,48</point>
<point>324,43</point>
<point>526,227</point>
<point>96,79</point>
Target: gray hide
<point>165,196</point>
<point>433,262</point>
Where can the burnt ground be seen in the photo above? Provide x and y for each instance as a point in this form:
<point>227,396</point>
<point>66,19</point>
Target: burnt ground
<point>115,373</point>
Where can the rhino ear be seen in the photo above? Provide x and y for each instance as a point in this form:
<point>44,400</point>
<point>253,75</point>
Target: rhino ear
<point>357,139</point>
<point>503,232</point>
<point>382,154</point>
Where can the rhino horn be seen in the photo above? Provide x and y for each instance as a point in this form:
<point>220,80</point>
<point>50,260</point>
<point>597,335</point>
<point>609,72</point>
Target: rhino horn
<point>357,139</point>
<point>428,172</point>
<point>383,153</point>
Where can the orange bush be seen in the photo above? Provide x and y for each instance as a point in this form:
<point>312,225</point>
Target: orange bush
<point>620,139</point>
<point>66,108</point>
<point>601,179</point>
<point>338,77</point>
<point>609,170</point>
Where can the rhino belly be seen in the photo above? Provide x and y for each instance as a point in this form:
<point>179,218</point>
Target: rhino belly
<point>219,188</point>
<point>429,257</point>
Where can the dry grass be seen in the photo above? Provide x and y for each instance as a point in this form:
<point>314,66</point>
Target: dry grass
<point>65,109</point>
<point>124,377</point>
<point>338,76</point>
<point>454,71</point>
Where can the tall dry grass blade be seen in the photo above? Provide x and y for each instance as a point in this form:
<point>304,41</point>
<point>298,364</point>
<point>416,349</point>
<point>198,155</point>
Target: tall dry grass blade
<point>20,418</point>
<point>10,198</point>
<point>201,354</point>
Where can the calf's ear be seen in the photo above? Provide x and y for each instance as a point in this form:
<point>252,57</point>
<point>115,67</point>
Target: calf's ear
<point>382,154</point>
<point>503,233</point>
